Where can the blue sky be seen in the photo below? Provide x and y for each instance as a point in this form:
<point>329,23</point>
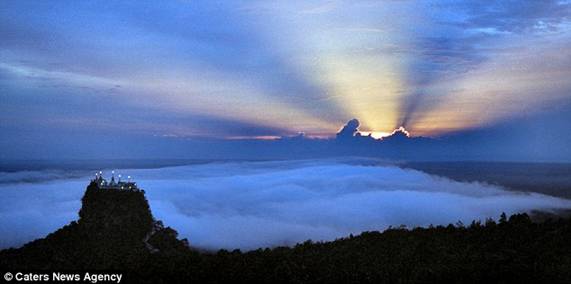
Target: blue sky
<point>264,69</point>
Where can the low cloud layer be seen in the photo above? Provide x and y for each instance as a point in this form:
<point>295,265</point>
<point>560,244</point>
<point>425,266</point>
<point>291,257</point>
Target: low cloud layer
<point>257,204</point>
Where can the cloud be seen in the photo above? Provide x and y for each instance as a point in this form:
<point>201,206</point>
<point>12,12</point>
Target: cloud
<point>33,210</point>
<point>463,37</point>
<point>350,129</point>
<point>257,204</point>
<point>517,16</point>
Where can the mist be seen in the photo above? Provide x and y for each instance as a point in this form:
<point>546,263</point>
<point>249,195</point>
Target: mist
<point>247,205</point>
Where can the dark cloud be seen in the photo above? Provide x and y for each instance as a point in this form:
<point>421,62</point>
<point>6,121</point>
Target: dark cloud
<point>349,130</point>
<point>398,135</point>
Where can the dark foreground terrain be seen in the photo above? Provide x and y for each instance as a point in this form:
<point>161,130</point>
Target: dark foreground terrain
<point>116,231</point>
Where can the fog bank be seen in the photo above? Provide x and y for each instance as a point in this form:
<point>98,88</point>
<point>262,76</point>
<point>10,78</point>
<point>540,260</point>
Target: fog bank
<point>258,204</point>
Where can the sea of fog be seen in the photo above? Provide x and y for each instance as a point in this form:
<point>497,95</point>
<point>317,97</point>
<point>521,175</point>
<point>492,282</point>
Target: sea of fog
<point>248,205</point>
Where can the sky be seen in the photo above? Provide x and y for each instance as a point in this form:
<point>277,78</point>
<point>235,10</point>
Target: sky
<point>77,74</point>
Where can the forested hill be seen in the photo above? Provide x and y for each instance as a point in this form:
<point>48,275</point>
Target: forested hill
<point>117,231</point>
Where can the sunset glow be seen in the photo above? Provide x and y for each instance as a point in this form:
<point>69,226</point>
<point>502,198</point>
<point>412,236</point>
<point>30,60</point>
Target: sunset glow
<point>375,134</point>
<point>263,69</point>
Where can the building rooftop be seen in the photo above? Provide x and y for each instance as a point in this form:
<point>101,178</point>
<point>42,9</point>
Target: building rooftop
<point>113,183</point>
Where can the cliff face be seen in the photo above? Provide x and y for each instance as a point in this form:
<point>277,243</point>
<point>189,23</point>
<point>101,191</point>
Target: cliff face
<point>115,215</point>
<point>115,230</point>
